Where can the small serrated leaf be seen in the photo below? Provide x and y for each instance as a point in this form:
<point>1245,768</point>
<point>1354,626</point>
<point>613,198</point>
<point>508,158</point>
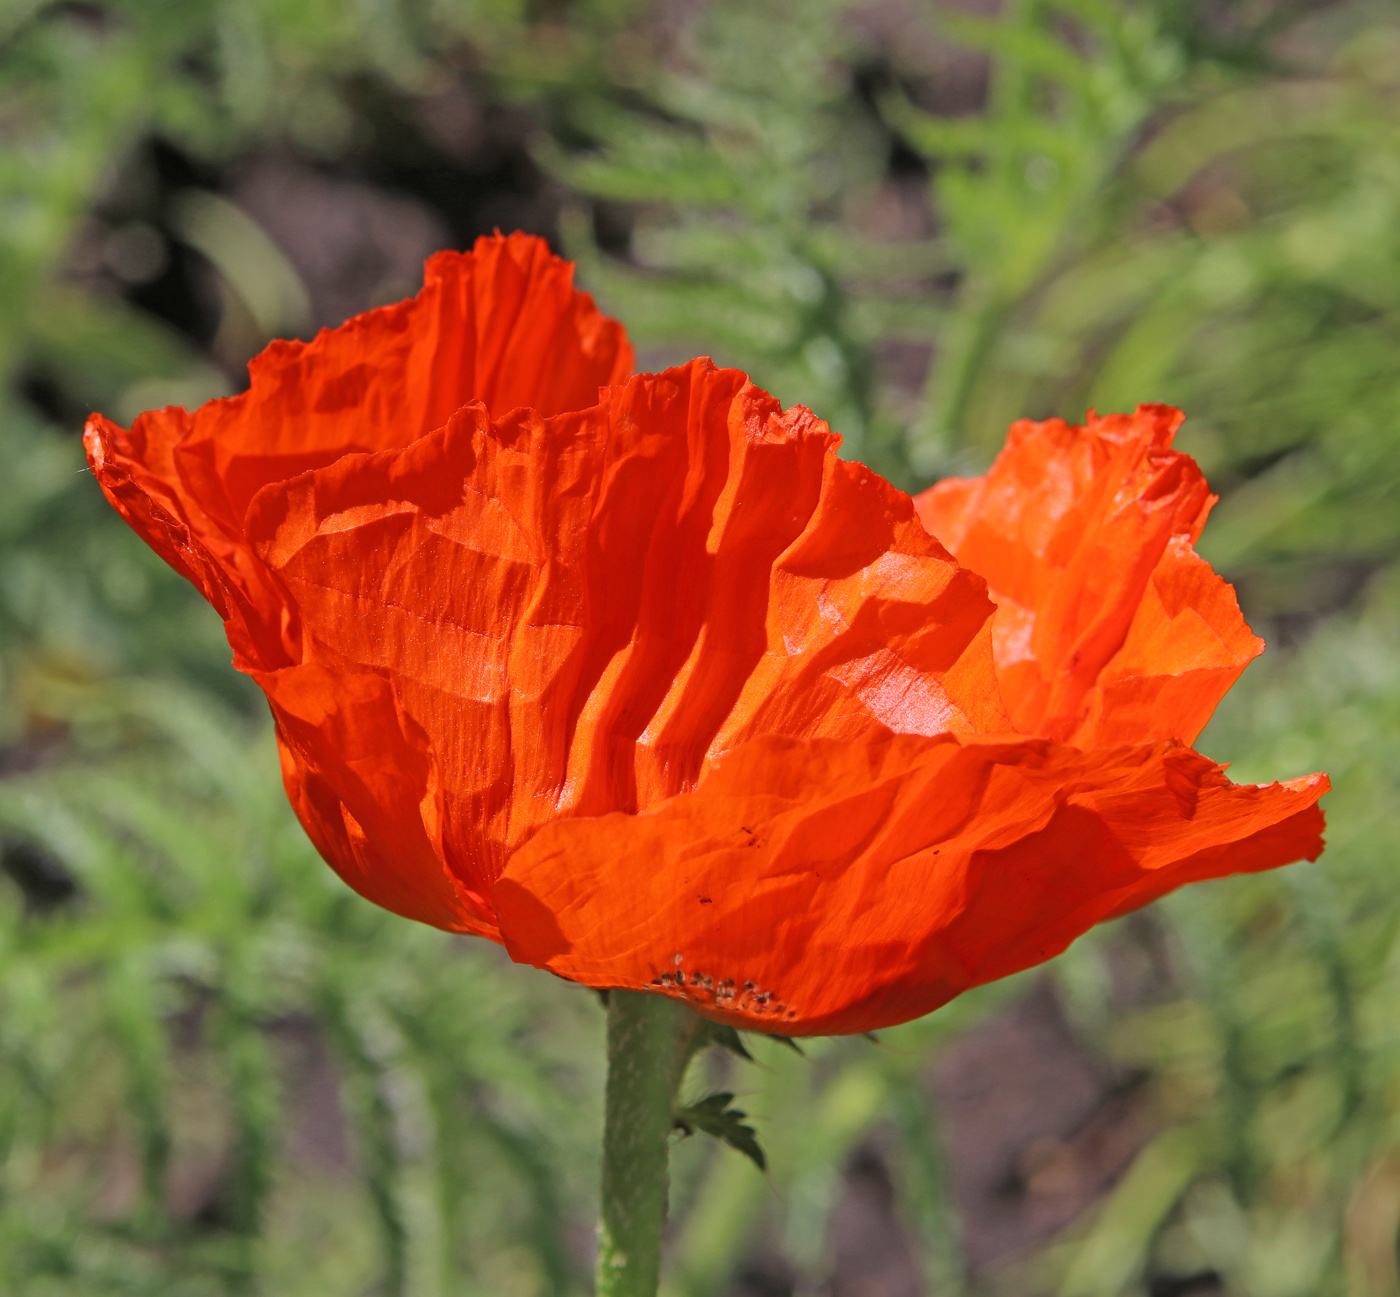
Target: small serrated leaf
<point>715,1117</point>
<point>727,1038</point>
<point>788,1041</point>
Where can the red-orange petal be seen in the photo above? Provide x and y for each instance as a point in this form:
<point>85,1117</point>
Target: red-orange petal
<point>502,324</point>
<point>1109,628</point>
<point>815,887</point>
<point>577,613</point>
<point>365,785</point>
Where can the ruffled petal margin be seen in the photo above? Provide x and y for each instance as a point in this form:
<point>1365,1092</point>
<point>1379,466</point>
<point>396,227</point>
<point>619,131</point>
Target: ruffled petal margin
<point>1109,627</point>
<point>502,325</point>
<point>816,887</point>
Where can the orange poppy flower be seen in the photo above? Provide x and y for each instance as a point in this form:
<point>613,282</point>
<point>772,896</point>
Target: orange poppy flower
<point>636,676</point>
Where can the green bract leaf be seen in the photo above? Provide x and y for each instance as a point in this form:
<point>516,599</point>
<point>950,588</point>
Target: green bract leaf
<point>727,1038</point>
<point>714,1116</point>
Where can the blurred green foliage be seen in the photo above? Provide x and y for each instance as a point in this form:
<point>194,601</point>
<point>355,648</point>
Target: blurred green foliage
<point>148,1021</point>
<point>1152,201</point>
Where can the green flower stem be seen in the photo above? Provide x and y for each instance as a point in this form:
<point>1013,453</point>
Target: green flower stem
<point>650,1041</point>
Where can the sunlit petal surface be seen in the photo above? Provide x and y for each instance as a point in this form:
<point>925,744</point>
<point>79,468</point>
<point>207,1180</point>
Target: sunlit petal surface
<point>638,676</point>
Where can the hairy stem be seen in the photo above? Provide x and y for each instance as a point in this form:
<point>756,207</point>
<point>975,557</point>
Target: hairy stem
<point>650,1040</point>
